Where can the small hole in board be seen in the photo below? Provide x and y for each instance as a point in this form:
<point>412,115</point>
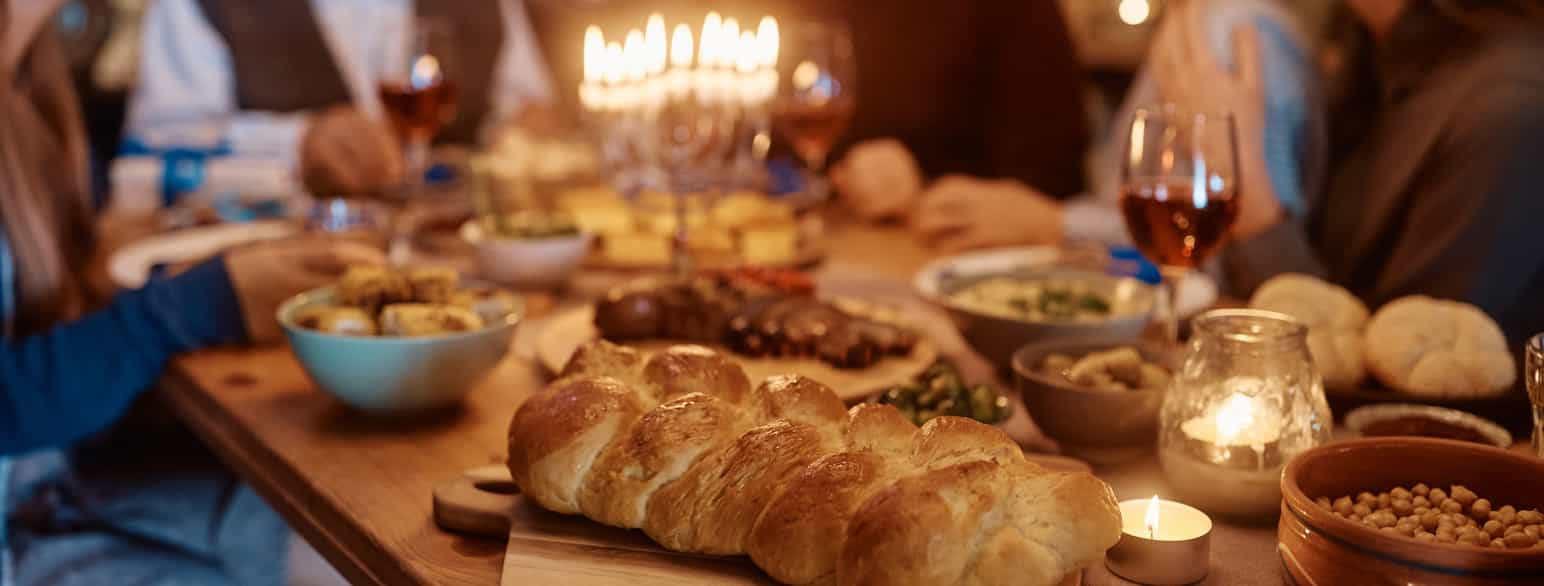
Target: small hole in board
<point>497,487</point>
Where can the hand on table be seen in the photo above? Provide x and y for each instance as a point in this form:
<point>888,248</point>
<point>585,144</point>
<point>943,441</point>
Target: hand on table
<point>345,153</point>
<point>877,179</point>
<point>1187,72</point>
<point>265,275</point>
<point>960,213</point>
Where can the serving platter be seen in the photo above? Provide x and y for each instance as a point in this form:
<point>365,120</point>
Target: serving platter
<point>565,332</point>
<point>548,548</point>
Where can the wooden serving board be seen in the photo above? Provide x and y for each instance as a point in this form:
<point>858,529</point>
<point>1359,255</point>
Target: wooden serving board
<point>548,548</point>
<point>565,332</point>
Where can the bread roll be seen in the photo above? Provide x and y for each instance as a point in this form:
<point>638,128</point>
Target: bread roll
<point>1335,320</point>
<point>1440,349</point>
<point>814,492</point>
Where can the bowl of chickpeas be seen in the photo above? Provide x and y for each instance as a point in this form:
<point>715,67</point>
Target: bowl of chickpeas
<point>1410,510</point>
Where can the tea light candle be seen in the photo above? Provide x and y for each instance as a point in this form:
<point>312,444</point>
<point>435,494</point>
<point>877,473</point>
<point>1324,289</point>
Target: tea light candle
<point>1229,461</point>
<point>1162,542</point>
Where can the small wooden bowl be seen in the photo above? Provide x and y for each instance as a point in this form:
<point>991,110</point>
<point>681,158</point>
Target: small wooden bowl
<point>1318,547</point>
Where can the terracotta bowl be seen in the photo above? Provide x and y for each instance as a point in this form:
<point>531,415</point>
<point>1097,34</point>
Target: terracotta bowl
<point>1093,424</point>
<point>1318,547</point>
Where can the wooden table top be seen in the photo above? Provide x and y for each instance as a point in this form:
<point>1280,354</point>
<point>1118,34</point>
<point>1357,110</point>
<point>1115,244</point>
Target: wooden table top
<point>359,489</point>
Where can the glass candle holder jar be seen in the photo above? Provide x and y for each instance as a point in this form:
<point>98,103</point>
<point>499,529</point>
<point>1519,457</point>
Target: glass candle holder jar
<point>1246,400</point>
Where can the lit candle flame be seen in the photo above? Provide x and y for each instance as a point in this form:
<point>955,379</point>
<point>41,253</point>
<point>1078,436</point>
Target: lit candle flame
<point>747,53</point>
<point>681,47</point>
<point>654,44</point>
<point>728,39</point>
<point>611,64</point>
<point>1234,417</point>
<point>594,53</point>
<point>635,62</point>
<point>707,45</point>
<point>768,36</point>
<point>1150,521</point>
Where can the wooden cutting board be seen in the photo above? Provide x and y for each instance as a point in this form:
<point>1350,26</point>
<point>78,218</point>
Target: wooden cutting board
<point>565,332</point>
<point>548,548</point>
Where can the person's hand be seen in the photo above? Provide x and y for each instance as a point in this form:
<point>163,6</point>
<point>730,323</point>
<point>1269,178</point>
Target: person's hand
<point>1187,72</point>
<point>345,153</point>
<point>265,275</point>
<point>959,213</point>
<point>877,179</point>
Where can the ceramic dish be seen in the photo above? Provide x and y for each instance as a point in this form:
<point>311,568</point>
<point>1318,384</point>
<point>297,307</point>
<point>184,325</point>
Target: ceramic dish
<point>1319,547</point>
<point>526,262</point>
<point>997,336</point>
<point>1448,421</point>
<point>387,375</point>
<point>1197,292</point>
<point>130,266</point>
<point>1094,424</point>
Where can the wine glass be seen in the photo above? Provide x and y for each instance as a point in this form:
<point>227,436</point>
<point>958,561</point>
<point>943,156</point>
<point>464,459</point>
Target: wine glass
<point>417,88</point>
<point>1179,182</point>
<point>817,91</point>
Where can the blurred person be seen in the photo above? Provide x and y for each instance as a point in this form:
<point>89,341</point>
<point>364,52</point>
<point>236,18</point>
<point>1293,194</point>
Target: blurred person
<point>985,88</point>
<point>79,507</point>
<point>965,211</point>
<point>294,80</point>
<point>1436,139</point>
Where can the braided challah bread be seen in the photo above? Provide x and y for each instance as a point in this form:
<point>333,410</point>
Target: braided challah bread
<point>683,447</point>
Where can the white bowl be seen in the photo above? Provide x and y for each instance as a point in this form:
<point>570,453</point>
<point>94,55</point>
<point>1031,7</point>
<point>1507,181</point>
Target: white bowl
<point>526,262</point>
<point>392,375</point>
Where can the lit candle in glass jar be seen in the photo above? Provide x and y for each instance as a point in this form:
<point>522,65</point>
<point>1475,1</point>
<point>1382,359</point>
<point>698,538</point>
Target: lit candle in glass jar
<point>1245,402</point>
<point>1162,542</point>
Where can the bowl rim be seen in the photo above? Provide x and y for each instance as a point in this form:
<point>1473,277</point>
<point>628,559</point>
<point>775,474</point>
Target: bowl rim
<point>1297,503</point>
<point>946,299</point>
<point>1356,418</point>
<point>1025,371</point>
<point>288,308</point>
<point>471,232</point>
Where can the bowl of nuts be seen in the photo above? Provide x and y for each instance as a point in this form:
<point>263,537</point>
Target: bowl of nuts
<point>1098,397</point>
<point>1408,510</point>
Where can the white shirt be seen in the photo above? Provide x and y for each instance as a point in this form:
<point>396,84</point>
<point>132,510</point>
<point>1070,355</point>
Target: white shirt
<point>187,87</point>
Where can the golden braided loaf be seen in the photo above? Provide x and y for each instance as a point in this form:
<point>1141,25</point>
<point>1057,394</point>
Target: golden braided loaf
<point>682,447</point>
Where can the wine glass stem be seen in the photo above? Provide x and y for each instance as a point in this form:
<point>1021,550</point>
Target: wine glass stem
<point>680,254</point>
<point>1168,290</point>
<point>815,175</point>
<point>416,158</point>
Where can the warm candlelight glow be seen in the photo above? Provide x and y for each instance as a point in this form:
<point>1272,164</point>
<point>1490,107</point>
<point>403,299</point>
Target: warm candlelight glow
<point>654,44</point>
<point>707,40</point>
<point>634,60</point>
<point>1150,522</point>
<point>611,64</point>
<point>805,75</point>
<point>1234,417</point>
<point>727,42</point>
<point>681,47</point>
<point>594,53</point>
<point>747,53</point>
<point>1134,12</point>
<point>769,38</point>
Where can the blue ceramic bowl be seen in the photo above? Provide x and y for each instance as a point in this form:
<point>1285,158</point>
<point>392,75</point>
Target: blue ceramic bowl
<point>392,375</point>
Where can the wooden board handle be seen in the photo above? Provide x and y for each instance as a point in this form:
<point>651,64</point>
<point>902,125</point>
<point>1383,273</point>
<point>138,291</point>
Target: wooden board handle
<point>477,502</point>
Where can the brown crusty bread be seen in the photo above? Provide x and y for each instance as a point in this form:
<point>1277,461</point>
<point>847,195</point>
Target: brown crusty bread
<point>679,446</point>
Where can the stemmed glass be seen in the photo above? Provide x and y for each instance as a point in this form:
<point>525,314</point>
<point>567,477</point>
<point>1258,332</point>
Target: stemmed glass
<point>1179,179</point>
<point>417,88</point>
<point>1534,373</point>
<point>689,131</point>
<point>816,94</point>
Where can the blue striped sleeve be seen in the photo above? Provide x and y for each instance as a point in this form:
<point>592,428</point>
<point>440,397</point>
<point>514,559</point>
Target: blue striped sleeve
<point>61,385</point>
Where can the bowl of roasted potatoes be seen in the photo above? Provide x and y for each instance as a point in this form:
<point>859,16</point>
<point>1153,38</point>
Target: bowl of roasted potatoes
<point>1098,397</point>
<point>385,340</point>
